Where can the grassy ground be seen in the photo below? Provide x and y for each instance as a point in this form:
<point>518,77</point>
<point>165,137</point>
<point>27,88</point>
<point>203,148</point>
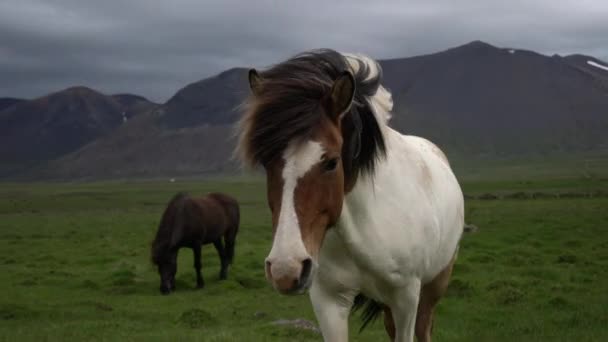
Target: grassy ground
<point>74,265</point>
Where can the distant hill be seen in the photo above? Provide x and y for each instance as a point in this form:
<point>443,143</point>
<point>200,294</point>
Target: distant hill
<point>142,148</point>
<point>475,100</point>
<point>211,101</point>
<point>190,134</point>
<point>6,102</point>
<point>478,99</point>
<point>35,131</point>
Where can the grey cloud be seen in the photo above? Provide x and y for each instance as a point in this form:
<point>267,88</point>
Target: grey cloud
<point>154,47</point>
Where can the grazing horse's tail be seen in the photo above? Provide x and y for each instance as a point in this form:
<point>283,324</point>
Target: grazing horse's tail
<point>232,208</point>
<point>168,224</point>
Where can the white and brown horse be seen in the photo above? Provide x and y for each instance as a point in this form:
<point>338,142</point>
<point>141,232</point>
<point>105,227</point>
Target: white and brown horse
<point>357,208</point>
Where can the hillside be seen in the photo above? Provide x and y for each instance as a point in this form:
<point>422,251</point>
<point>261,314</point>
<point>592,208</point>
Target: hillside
<point>211,101</point>
<point>481,100</point>
<point>475,100</point>
<point>39,130</point>
<point>6,102</point>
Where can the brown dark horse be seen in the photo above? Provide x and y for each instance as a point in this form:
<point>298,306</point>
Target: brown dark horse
<point>193,222</point>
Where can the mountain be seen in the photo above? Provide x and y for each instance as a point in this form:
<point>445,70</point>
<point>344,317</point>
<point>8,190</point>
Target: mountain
<point>190,134</point>
<point>478,99</point>
<point>35,131</point>
<point>133,105</point>
<point>475,100</point>
<point>210,101</point>
<point>142,148</point>
<point>6,102</point>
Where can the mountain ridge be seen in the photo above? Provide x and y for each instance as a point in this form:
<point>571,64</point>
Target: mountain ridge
<point>472,100</point>
<point>32,132</point>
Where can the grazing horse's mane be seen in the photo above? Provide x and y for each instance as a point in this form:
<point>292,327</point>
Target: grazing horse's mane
<point>162,242</point>
<point>283,108</point>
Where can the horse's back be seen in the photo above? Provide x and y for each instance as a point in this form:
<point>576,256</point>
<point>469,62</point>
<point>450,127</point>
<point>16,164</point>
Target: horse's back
<point>230,206</point>
<point>216,213</point>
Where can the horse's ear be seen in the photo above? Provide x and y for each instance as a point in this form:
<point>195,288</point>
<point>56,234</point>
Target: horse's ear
<point>254,81</point>
<point>341,95</point>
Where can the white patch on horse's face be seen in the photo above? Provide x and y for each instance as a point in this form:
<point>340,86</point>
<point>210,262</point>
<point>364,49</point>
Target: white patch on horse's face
<point>288,250</point>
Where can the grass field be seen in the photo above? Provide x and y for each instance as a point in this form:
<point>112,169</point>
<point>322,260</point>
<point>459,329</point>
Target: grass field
<point>74,265</point>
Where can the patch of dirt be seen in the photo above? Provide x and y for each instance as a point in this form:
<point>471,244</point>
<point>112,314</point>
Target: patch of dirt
<point>460,288</point>
<point>470,228</point>
<point>196,318</point>
<point>567,259</point>
<point>487,196</point>
<point>481,259</point>
<point>250,283</point>
<point>28,282</point>
<point>559,303</point>
<point>260,314</point>
<point>12,312</point>
<point>298,323</point>
<point>508,295</point>
<point>89,284</point>
<point>99,306</point>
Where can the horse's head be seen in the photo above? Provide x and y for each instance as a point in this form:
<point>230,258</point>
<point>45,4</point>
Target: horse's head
<point>166,264</point>
<point>301,125</point>
<point>167,277</point>
<point>305,192</point>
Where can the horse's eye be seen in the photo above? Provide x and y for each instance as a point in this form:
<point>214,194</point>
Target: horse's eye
<point>330,165</point>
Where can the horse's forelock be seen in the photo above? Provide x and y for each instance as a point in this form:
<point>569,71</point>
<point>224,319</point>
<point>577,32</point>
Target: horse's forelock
<point>284,108</point>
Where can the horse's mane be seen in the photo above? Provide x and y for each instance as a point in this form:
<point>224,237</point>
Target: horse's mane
<point>164,235</point>
<point>283,109</point>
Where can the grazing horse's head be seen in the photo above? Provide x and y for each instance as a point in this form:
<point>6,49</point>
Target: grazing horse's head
<point>167,269</point>
<point>310,123</point>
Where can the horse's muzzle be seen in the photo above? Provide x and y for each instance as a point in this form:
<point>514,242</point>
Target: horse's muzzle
<point>167,287</point>
<point>289,277</point>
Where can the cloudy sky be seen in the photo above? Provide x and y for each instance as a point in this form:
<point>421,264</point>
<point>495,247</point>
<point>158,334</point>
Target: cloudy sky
<point>155,47</point>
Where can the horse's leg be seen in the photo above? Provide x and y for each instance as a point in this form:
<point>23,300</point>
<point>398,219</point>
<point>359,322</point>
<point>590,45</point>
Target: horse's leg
<point>429,297</point>
<point>403,307</point>
<point>200,283</point>
<point>331,310</point>
<point>174,270</point>
<point>223,258</point>
<point>389,323</point>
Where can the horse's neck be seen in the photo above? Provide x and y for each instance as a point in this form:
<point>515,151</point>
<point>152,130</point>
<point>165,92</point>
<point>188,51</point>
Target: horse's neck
<point>375,198</point>
<point>410,209</point>
<point>366,186</point>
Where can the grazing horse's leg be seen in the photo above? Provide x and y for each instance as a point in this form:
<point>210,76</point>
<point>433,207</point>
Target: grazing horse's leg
<point>223,258</point>
<point>331,311</point>
<point>200,283</point>
<point>389,323</point>
<point>174,270</point>
<point>429,297</point>
<point>403,308</point>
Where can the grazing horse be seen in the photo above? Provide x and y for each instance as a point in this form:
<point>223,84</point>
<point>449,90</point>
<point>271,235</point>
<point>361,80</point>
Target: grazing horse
<point>192,222</point>
<point>361,214</point>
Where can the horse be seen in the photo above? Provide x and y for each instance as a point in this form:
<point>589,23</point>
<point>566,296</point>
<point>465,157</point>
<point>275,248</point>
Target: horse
<point>362,216</point>
<point>193,222</point>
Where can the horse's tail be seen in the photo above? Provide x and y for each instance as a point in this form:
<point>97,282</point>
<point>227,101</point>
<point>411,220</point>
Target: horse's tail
<point>169,222</point>
<point>371,309</point>
<point>232,207</point>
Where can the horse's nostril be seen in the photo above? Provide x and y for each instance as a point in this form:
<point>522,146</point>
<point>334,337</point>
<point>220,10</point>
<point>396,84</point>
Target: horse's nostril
<point>268,266</point>
<point>306,269</point>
